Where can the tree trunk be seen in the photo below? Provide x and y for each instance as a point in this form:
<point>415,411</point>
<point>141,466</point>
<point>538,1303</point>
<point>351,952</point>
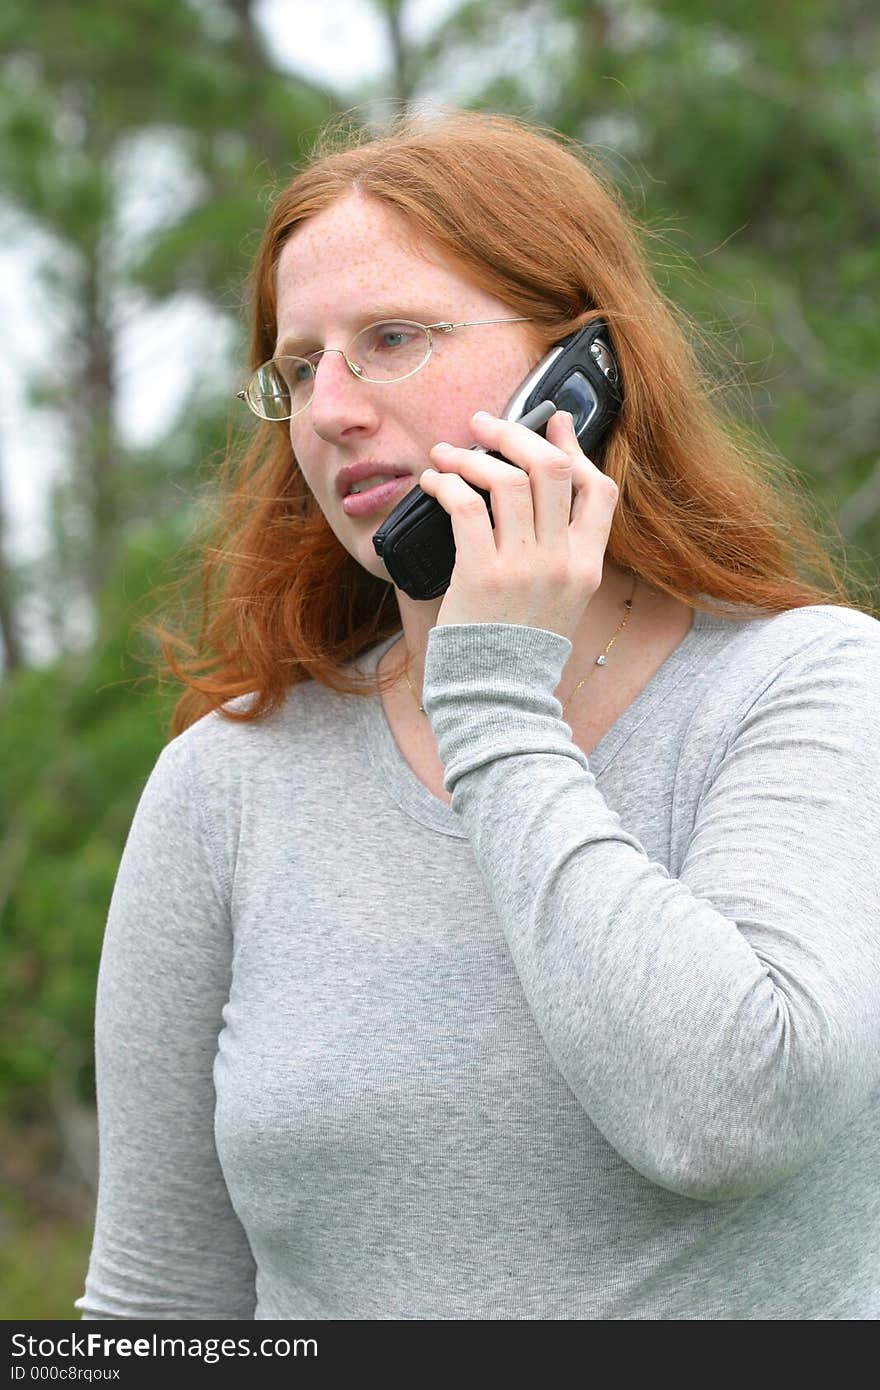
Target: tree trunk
<point>95,441</point>
<point>402,58</point>
<point>12,650</point>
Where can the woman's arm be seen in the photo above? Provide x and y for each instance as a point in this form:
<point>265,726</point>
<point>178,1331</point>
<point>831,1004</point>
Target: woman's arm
<point>720,1027</point>
<point>167,1241</point>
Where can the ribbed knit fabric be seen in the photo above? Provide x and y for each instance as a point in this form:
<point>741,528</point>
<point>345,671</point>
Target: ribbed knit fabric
<point>600,1040</point>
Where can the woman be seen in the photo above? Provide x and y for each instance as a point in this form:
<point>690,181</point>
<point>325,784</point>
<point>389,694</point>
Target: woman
<point>449,973</point>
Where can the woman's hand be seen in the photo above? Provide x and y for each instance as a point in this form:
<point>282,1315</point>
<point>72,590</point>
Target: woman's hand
<point>542,563</point>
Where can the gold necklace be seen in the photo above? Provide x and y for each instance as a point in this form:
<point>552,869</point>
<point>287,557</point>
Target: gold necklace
<point>600,660</point>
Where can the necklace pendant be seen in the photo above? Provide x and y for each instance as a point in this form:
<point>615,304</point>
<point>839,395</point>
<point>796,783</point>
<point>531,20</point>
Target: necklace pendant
<point>600,660</point>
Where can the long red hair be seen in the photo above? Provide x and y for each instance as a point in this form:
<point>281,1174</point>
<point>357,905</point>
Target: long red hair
<point>704,508</point>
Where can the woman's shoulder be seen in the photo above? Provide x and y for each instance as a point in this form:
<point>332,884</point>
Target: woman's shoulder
<point>776,638</point>
<point>225,772</point>
<point>816,619</point>
<point>311,721</point>
<point>792,656</point>
<point>301,709</point>
<point>818,629</point>
<point>307,735</point>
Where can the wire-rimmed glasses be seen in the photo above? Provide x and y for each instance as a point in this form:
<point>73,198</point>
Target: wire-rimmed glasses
<point>390,350</point>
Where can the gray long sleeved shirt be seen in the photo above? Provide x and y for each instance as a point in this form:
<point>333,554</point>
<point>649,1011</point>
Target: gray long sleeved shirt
<point>600,1040</point>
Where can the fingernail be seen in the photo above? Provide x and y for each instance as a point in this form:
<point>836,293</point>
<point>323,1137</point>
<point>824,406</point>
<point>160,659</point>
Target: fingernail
<point>482,415</point>
<point>441,448</point>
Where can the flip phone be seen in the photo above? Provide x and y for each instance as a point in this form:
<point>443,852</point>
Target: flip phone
<point>578,374</point>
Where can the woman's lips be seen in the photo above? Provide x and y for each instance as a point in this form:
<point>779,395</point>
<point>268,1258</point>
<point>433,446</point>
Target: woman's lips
<point>365,503</point>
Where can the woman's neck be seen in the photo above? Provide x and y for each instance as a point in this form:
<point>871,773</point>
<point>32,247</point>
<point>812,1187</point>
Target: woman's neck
<point>599,623</point>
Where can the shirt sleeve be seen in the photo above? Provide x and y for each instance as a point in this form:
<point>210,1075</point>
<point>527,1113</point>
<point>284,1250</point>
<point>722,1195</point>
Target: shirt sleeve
<point>721,1027</point>
<point>167,1243</point>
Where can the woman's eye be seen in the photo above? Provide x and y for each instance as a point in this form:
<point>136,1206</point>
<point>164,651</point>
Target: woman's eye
<point>394,337</point>
<point>389,337</point>
<point>292,372</point>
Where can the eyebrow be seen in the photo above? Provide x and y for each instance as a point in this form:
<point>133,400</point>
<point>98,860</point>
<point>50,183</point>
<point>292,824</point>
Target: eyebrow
<point>294,343</point>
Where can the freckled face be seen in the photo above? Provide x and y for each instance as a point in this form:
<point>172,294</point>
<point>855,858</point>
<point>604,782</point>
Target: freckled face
<point>333,272</point>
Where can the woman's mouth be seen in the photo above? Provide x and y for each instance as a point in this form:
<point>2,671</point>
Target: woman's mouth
<point>375,496</point>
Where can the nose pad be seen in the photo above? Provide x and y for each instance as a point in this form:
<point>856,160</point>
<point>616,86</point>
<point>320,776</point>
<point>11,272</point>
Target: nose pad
<point>342,368</point>
<point>335,397</point>
<point>324,352</point>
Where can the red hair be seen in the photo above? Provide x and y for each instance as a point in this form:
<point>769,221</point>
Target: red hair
<point>704,507</point>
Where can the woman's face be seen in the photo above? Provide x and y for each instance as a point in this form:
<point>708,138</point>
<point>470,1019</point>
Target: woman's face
<point>347,267</point>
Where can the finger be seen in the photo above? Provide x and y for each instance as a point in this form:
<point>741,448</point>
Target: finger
<point>587,478</point>
<point>549,465</point>
<point>471,527</point>
<point>592,513</point>
<point>555,482</point>
<point>510,489</point>
<point>513,440</point>
<point>562,435</point>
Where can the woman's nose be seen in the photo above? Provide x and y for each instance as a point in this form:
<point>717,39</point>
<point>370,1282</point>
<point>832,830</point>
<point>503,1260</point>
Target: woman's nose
<point>340,400</point>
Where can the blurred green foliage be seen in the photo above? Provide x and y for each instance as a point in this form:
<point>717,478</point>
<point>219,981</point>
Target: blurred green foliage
<point>77,742</point>
<point>41,1268</point>
<point>742,136</point>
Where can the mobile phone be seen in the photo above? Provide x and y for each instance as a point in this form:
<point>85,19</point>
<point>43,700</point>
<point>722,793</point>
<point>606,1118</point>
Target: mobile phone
<point>579,374</point>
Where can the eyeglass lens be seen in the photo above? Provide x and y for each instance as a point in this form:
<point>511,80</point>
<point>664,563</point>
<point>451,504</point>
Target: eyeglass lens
<point>386,351</point>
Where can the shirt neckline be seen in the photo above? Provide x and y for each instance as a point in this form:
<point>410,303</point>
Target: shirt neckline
<point>414,798</point>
